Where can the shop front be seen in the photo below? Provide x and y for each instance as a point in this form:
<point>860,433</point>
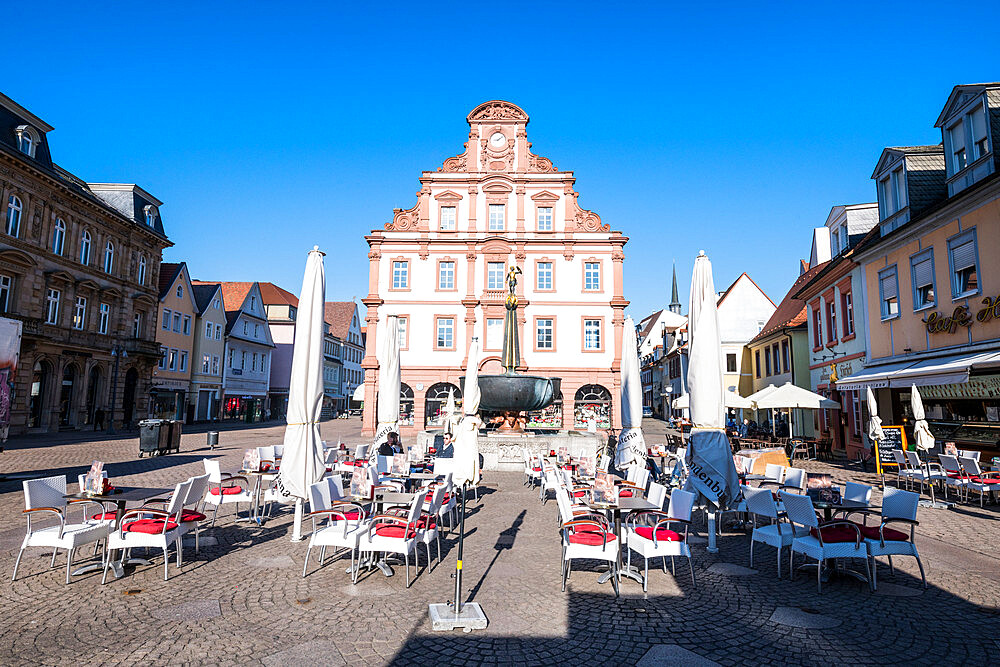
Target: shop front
<point>167,400</point>
<point>245,408</point>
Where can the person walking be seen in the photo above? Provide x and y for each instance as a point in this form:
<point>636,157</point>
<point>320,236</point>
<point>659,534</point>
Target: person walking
<point>99,419</point>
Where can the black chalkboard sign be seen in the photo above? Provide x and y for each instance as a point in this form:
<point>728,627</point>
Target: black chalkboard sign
<point>895,438</point>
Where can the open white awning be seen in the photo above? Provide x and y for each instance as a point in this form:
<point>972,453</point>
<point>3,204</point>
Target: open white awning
<point>789,396</point>
<point>359,393</point>
<point>951,369</point>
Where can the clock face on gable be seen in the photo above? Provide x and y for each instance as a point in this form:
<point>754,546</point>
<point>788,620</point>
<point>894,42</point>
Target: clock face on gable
<point>498,140</point>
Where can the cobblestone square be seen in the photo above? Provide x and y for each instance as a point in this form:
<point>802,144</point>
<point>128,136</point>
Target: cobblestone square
<point>242,598</point>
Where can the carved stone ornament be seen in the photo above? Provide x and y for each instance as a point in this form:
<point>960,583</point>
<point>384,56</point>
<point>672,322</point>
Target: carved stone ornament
<point>404,220</point>
<point>498,110</point>
<point>537,163</point>
<point>617,254</point>
<point>457,163</point>
<point>424,251</point>
<point>374,254</point>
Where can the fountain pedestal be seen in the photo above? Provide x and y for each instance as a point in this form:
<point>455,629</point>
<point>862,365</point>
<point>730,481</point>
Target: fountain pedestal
<point>503,451</point>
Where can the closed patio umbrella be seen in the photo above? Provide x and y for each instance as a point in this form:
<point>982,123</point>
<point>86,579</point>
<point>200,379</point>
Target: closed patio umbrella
<point>302,463</point>
<point>875,432</point>
<point>389,381</point>
<point>450,418</point>
<point>631,444</point>
<point>924,440</point>
<point>710,457</point>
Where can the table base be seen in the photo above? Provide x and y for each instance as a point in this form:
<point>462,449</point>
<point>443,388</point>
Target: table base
<point>629,571</point>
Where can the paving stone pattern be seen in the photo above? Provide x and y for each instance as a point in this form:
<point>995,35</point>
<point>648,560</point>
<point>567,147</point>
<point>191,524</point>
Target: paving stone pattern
<point>242,600</point>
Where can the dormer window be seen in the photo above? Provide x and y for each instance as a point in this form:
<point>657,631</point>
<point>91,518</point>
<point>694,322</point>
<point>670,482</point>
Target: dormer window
<point>27,139</point>
<point>892,192</point>
<point>150,212</point>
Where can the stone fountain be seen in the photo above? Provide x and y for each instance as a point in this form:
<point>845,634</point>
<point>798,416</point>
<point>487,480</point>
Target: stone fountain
<point>510,396</point>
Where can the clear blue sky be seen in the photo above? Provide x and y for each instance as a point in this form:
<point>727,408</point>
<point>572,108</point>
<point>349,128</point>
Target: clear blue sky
<point>267,128</point>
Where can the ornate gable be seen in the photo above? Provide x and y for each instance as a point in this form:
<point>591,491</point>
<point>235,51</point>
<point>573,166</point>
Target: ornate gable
<point>498,110</point>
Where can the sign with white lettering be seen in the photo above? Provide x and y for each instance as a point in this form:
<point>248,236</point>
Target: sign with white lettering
<point>985,386</point>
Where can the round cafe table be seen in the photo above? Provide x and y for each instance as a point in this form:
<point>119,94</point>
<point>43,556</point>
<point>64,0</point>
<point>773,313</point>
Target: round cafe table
<point>627,504</point>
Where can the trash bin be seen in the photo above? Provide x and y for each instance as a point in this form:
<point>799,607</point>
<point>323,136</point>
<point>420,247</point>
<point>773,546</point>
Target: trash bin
<point>213,439</point>
<point>153,434</point>
<point>173,440</point>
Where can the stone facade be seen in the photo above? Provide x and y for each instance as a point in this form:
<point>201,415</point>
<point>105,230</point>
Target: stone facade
<point>80,271</point>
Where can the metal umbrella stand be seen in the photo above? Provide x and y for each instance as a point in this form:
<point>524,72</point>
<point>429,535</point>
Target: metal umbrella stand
<point>454,615</point>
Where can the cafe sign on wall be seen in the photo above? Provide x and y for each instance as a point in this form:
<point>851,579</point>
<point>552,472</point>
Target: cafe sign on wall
<point>985,386</point>
<point>962,317</point>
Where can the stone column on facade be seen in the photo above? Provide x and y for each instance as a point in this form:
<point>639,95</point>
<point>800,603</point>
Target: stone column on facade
<point>519,191</point>
<point>568,394</point>
<point>473,191</point>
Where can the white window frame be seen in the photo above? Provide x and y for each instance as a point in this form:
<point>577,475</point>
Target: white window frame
<point>544,220</point>
<point>446,275</point>
<point>86,243</point>
<point>176,325</point>
<point>218,332</point>
<point>495,281</point>
<point>497,223</point>
<point>592,281</point>
<point>172,359</point>
<point>52,297</point>
<point>545,334</point>
<point>209,328</point>
<point>444,332</point>
<point>59,237</point>
<point>588,324</point>
<point>544,270</point>
<point>215,364</point>
<point>137,324</point>
<point>80,313</point>
<point>14,210</point>
<point>400,274</point>
<point>916,259</point>
<point>961,239</point>
<point>885,311</point>
<point>165,324</point>
<point>104,318</point>
<point>109,257</point>
<point>449,218</point>
<point>141,273</point>
<point>6,291</point>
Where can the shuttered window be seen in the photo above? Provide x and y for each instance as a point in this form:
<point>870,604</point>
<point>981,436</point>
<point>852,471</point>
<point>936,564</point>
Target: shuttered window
<point>889,292</point>
<point>962,258</point>
<point>922,275</point>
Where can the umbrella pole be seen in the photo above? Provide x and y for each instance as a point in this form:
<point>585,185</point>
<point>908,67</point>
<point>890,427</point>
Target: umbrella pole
<point>451,616</point>
<point>461,550</point>
<point>297,526</point>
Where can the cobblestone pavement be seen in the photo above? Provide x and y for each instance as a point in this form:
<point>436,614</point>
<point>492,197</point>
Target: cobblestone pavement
<point>243,600</point>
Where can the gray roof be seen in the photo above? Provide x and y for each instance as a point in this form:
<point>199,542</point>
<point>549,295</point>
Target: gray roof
<point>203,295</point>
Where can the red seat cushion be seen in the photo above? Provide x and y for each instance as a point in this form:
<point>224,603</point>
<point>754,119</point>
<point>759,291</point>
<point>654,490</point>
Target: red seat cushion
<point>832,534</point>
<point>579,494</point>
<point>226,490</point>
<point>386,530</point>
<point>625,493</point>
<point>590,538</point>
<point>871,532</point>
<point>536,470</point>
<point>104,516</point>
<point>426,523</point>
<point>956,475</point>
<point>430,496</point>
<point>191,515</point>
<point>350,515</point>
<point>151,526</point>
<point>662,535</point>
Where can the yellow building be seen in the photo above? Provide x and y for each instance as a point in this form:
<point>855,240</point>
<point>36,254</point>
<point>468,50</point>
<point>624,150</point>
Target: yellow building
<point>931,278</point>
<point>172,377</point>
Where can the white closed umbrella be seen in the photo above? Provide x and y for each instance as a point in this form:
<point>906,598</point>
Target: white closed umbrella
<point>302,463</point>
<point>389,380</point>
<point>875,432</point>
<point>449,412</point>
<point>712,472</point>
<point>631,444</point>
<point>923,437</point>
<point>466,448</point>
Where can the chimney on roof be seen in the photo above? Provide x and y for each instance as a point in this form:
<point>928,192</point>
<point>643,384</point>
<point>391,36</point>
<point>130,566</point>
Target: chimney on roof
<point>675,300</point>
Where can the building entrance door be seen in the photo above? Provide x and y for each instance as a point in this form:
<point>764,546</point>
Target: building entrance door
<point>66,396</point>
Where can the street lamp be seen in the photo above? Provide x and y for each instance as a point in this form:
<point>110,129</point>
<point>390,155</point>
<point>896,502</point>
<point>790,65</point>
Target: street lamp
<point>119,352</point>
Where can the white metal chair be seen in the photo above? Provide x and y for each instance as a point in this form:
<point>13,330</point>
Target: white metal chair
<point>427,524</point>
<point>777,533</point>
<point>774,473</point>
<point>978,481</point>
<point>857,493</point>
<point>903,470</point>
<point>832,539</point>
<point>346,523</point>
<point>225,489</point>
<point>550,481</point>
<point>191,514</point>
<point>657,494</point>
<point>44,497</point>
<point>795,480</point>
<point>589,536</point>
<point>898,506</point>
<point>391,533</point>
<point>954,476</point>
<point>648,533</point>
<point>149,527</point>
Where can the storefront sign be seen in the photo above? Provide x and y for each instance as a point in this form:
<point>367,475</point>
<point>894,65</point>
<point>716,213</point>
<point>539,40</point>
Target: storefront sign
<point>986,386</point>
<point>961,317</point>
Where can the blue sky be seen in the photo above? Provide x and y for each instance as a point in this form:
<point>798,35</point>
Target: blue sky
<point>267,128</point>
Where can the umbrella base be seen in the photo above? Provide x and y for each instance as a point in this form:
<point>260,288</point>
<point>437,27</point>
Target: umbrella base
<point>443,617</point>
<point>935,504</point>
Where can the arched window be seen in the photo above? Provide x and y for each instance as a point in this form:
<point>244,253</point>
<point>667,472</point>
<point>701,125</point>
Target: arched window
<point>141,274</point>
<point>436,401</point>
<point>405,405</point>
<point>85,248</point>
<point>58,236</point>
<point>592,401</point>
<point>27,139</point>
<point>150,212</point>
<point>109,257</point>
<point>13,215</point>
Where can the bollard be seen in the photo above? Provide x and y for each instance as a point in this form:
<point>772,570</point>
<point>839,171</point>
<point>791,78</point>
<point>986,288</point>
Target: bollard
<point>213,439</point>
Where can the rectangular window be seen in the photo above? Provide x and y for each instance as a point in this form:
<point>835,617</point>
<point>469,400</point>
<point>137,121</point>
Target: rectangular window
<point>52,306</point>
<point>543,277</point>
<point>209,328</point>
<point>756,357</point>
<point>892,192</point>
<point>231,359</point>
<point>856,413</point>
<point>163,359</point>
<point>137,325</point>
<point>446,275</point>
<point>980,139</point>
<point>402,337</point>
<point>218,332</point>
<point>592,276</point>
<point>494,333</point>
<point>253,362</point>
<point>215,364</point>
<point>448,218</point>
<point>817,326</point>
<point>831,321</point>
<point>6,289</point>
<point>184,361</point>
<point>956,139</point>
<point>187,325</point>
<point>246,328</point>
<point>243,360</point>
<point>80,313</point>
<point>847,306</point>
<point>206,363</point>
<point>172,360</point>
<point>400,275</point>
<point>592,334</point>
<point>177,322</point>
<point>545,219</point>
<point>963,257</point>
<point>888,288</point>
<point>922,276</point>
<point>767,361</point>
<point>786,359</point>
<point>104,317</point>
<point>544,338</point>
<point>445,333</point>
<point>730,362</point>
<point>776,359</point>
<point>497,217</point>
<point>495,275</point>
<point>166,319</point>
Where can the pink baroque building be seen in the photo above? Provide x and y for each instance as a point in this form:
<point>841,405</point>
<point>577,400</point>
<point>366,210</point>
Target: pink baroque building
<point>440,267</point>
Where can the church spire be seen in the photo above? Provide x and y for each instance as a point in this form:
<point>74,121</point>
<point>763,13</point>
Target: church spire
<point>675,301</point>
